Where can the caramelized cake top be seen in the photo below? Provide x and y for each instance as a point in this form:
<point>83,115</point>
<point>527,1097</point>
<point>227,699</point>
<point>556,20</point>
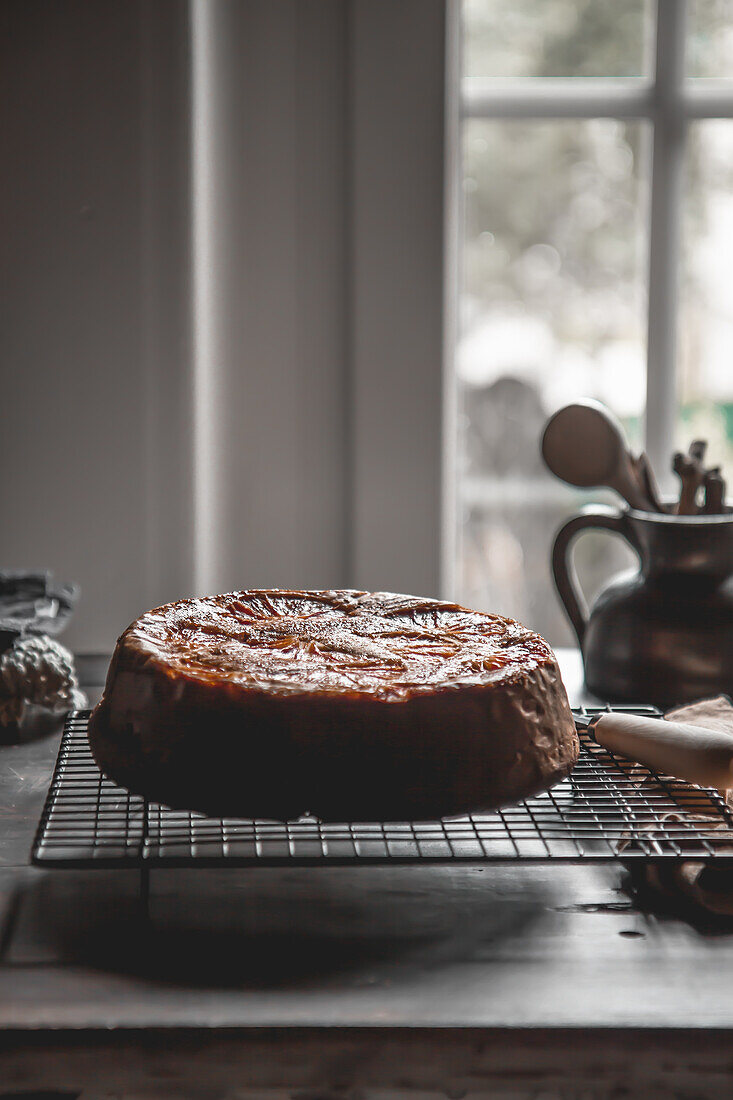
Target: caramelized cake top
<point>344,642</point>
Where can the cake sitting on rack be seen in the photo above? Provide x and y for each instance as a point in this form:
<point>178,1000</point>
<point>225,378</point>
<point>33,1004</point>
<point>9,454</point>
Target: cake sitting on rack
<point>351,706</point>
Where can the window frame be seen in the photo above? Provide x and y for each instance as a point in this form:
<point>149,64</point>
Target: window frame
<point>668,100</point>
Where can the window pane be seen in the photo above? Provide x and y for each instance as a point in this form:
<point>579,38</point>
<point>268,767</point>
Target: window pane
<point>515,38</point>
<point>552,309</point>
<point>706,316</point>
<point>710,38</point>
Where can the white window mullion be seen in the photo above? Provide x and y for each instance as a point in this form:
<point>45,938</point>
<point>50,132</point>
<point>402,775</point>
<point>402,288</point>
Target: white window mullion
<point>664,233</point>
<point>543,98</point>
<point>705,99</point>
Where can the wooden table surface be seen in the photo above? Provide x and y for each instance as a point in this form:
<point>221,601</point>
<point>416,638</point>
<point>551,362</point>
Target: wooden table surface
<point>471,980</point>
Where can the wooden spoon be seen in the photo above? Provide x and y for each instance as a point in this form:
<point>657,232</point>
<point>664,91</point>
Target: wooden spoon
<point>585,445</point>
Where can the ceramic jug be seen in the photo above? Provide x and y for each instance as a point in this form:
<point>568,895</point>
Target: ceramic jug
<point>663,633</point>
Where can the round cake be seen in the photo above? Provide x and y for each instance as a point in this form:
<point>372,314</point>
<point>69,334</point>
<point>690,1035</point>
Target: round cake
<point>351,706</point>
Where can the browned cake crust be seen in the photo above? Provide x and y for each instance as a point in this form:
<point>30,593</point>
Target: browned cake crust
<point>352,706</point>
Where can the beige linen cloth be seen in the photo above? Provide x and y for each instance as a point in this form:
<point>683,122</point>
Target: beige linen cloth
<point>708,886</point>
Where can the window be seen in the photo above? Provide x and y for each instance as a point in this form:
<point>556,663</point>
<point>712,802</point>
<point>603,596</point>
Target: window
<point>596,227</point>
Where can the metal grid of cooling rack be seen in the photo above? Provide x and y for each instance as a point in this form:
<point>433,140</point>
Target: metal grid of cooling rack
<point>605,810</point>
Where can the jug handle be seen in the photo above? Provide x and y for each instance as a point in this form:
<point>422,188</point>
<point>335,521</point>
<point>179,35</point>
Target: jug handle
<point>563,567</point>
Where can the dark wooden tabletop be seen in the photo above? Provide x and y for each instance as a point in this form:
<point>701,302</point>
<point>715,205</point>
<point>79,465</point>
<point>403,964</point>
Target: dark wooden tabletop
<point>475,980</point>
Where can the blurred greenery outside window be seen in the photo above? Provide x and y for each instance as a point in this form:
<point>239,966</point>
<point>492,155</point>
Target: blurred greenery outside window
<point>554,273</point>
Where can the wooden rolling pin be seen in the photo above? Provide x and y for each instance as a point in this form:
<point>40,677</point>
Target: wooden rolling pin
<point>692,753</point>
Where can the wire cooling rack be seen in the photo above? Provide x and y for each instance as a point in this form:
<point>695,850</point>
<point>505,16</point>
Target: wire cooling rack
<point>607,809</point>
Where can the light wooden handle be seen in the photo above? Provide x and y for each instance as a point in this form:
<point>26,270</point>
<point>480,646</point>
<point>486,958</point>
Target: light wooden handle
<point>671,748</point>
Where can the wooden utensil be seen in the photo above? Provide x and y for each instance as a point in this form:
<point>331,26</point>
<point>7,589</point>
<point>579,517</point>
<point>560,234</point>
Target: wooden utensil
<point>714,492</point>
<point>645,475</point>
<point>584,444</point>
<point>692,753</point>
<point>690,470</point>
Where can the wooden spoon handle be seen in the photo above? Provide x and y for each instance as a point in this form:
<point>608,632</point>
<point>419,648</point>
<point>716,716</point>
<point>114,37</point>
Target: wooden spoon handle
<point>688,752</point>
<point>627,482</point>
<point>649,482</point>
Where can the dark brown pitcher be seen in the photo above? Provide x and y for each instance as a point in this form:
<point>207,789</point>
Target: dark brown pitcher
<point>664,633</point>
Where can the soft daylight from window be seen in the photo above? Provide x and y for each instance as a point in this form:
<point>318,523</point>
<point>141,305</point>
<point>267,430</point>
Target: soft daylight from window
<point>554,269</point>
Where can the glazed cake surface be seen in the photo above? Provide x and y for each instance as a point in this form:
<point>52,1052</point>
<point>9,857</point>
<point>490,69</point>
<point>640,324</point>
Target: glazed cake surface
<point>348,705</point>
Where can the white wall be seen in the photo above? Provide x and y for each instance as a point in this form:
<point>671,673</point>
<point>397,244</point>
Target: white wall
<point>274,298</point>
<point>72,421</point>
<point>397,102</point>
<point>315,337</point>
